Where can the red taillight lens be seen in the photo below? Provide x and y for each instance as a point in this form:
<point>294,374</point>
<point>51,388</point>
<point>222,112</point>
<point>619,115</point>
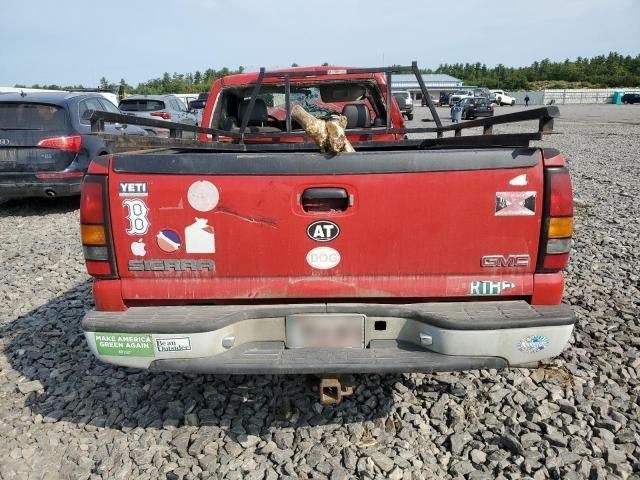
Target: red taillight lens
<point>163,115</point>
<point>557,222</point>
<point>69,144</point>
<point>96,239</point>
<point>91,207</point>
<point>561,195</point>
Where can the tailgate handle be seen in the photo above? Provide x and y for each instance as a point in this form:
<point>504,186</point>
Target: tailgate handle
<point>325,199</point>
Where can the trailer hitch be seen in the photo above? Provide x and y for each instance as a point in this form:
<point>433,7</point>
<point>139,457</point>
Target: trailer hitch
<point>332,389</point>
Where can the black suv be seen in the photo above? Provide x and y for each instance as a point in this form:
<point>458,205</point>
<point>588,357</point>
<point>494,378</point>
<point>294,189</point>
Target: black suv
<point>631,98</point>
<point>45,141</point>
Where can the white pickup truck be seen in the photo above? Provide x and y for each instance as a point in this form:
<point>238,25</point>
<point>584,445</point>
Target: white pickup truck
<point>502,98</point>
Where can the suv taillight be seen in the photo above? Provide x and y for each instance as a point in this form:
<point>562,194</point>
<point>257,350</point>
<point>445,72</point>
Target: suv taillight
<point>97,243</point>
<point>557,220</point>
<point>164,115</point>
<point>70,144</point>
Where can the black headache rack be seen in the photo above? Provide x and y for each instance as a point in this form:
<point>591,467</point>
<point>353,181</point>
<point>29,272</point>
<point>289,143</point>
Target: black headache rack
<point>242,140</point>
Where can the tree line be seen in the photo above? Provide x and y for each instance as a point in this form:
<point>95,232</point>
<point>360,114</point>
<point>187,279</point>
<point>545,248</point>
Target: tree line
<point>612,70</point>
<point>602,71</point>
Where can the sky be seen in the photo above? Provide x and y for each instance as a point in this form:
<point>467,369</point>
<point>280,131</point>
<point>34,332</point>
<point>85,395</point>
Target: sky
<point>70,42</point>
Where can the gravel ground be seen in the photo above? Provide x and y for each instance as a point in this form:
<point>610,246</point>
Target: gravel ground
<point>65,415</point>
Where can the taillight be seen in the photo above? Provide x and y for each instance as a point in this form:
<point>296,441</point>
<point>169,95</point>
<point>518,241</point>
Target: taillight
<point>97,244</point>
<point>557,221</point>
<point>70,144</point>
<point>164,115</point>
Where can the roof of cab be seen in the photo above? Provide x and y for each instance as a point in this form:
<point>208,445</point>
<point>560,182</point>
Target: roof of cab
<point>251,77</point>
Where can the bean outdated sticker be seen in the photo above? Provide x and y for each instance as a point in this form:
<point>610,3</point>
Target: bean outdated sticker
<point>323,231</point>
<point>124,344</point>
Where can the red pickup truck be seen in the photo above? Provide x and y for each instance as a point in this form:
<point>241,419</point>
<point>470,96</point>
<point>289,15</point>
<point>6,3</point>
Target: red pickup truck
<point>253,252</point>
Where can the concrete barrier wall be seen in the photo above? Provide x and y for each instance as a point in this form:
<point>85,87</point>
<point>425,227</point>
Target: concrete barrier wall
<point>535,97</point>
<point>565,96</point>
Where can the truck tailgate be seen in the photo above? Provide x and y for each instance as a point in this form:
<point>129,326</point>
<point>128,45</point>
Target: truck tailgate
<point>412,224</point>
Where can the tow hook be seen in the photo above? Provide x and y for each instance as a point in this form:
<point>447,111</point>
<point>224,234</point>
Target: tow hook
<point>332,389</point>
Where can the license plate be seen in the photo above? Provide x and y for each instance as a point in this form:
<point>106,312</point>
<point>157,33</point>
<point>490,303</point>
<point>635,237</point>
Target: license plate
<point>8,158</point>
<point>325,330</point>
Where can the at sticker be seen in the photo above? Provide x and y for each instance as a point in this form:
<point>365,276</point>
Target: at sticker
<point>180,344</point>
<point>515,204</point>
<point>533,344</point>
<point>124,344</point>
<point>200,237</point>
<point>323,231</point>
<point>203,196</point>
<point>484,287</point>
<point>168,240</point>
<point>323,258</point>
<point>138,248</point>
<point>137,216</point>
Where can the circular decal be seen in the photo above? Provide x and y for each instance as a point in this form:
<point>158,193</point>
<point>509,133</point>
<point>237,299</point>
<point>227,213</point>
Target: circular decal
<point>203,196</point>
<point>323,231</point>
<point>533,344</point>
<point>168,240</point>
<point>323,258</point>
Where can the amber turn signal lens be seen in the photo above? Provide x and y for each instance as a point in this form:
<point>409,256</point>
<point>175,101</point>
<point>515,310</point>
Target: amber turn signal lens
<point>93,235</point>
<point>560,227</point>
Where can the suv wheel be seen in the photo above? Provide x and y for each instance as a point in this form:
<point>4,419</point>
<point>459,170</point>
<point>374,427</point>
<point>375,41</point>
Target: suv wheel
<point>409,116</point>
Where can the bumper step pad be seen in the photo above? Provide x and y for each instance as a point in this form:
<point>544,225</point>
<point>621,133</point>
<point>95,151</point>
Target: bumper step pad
<point>387,356</point>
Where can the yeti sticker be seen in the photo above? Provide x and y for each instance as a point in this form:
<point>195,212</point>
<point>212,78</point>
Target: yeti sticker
<point>137,216</point>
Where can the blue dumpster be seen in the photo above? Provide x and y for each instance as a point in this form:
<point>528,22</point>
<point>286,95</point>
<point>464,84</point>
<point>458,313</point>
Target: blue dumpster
<point>456,113</point>
<point>617,98</point>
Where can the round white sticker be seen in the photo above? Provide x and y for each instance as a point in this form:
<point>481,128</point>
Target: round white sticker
<point>203,196</point>
<point>323,258</point>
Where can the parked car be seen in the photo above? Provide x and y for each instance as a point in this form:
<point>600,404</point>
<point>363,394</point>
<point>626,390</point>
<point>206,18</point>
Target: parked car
<point>476,107</point>
<point>45,141</point>
<point>481,92</point>
<point>459,95</point>
<point>631,98</point>
<point>197,106</point>
<point>159,107</point>
<point>405,103</point>
<point>435,100</point>
<point>444,98</point>
<point>501,97</point>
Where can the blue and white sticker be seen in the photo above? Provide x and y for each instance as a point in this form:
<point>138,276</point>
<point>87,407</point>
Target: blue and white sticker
<point>533,344</point>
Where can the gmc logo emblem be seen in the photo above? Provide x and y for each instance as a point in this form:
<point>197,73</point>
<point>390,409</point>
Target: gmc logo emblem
<point>504,261</point>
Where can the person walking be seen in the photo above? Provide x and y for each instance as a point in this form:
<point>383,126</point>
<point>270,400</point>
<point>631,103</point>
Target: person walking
<point>526,101</point>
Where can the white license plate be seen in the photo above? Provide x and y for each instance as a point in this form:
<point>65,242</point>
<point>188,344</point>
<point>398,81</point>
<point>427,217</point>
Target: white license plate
<point>325,330</point>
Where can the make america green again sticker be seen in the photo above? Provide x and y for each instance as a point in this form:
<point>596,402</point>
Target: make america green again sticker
<point>124,344</point>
